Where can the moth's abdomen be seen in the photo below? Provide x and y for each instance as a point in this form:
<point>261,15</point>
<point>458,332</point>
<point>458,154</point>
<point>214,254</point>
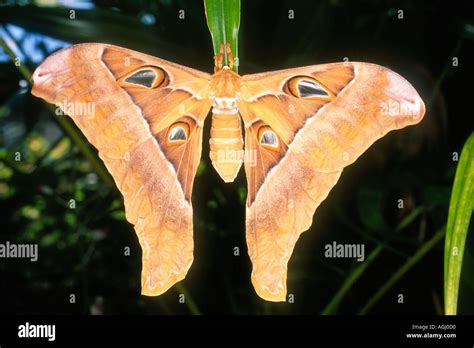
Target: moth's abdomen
<point>226,144</point>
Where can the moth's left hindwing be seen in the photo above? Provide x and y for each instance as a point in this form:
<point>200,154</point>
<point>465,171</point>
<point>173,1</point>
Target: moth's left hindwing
<point>145,117</point>
<point>302,127</point>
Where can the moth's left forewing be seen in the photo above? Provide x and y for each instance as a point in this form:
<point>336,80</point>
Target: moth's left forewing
<point>324,118</point>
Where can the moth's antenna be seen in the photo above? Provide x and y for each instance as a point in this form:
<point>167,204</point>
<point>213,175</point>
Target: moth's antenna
<point>219,59</point>
<point>230,58</point>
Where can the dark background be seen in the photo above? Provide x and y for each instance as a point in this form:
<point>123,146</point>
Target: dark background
<point>81,251</point>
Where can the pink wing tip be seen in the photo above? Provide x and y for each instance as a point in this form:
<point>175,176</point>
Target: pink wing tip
<point>402,100</point>
<point>39,77</point>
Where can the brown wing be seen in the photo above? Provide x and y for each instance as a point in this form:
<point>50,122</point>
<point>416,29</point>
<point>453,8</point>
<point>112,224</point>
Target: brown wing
<point>145,117</point>
<point>303,126</point>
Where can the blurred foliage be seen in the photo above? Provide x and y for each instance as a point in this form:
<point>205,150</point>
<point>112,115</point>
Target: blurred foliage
<point>52,195</point>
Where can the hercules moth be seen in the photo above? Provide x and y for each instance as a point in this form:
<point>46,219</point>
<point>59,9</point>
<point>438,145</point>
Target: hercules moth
<point>302,127</point>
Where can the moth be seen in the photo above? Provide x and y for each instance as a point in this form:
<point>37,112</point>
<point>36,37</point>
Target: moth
<point>302,127</point>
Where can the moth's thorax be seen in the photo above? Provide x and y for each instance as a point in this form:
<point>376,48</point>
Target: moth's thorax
<point>226,143</point>
<point>224,91</point>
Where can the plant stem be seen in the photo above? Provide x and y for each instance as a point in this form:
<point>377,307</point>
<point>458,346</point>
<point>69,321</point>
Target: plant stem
<point>356,273</point>
<point>402,270</point>
<point>193,308</point>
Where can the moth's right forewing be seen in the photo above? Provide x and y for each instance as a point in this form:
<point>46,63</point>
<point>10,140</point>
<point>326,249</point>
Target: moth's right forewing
<point>126,103</point>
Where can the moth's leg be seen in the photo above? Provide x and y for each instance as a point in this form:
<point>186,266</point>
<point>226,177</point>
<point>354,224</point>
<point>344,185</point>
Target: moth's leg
<point>230,58</point>
<point>219,59</point>
<point>216,62</point>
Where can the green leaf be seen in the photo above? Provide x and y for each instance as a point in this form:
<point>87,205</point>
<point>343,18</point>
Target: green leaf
<point>223,20</point>
<point>50,238</point>
<point>459,216</point>
<point>212,204</point>
<point>118,215</point>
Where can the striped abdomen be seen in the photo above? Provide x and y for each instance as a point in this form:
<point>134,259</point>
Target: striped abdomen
<point>226,142</point>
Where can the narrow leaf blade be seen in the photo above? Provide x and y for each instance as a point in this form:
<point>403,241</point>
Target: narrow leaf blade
<point>223,20</point>
<point>459,216</point>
